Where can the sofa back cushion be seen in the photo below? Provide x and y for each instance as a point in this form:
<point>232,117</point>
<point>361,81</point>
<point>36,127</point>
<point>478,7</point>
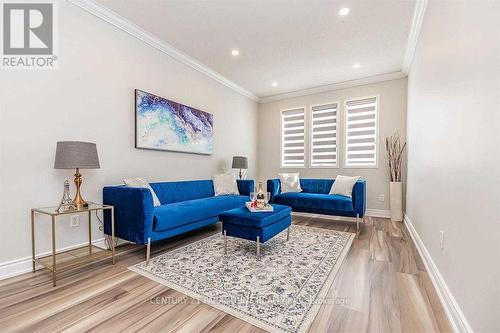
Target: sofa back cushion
<point>321,186</point>
<point>170,192</point>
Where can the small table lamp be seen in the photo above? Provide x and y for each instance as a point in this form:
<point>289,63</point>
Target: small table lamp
<point>240,162</point>
<point>77,155</point>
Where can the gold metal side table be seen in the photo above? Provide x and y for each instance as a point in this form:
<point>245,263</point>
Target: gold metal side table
<point>58,261</point>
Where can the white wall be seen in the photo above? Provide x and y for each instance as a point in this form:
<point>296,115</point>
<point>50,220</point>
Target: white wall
<point>91,98</point>
<point>454,154</point>
<point>392,118</point>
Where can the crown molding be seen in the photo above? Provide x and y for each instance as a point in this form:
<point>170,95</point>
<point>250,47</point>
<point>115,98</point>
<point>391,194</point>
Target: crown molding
<point>111,17</point>
<point>123,24</point>
<point>416,26</point>
<point>335,86</point>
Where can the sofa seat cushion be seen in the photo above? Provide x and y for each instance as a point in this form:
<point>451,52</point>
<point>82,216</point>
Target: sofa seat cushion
<point>315,201</point>
<point>184,212</point>
<point>242,216</point>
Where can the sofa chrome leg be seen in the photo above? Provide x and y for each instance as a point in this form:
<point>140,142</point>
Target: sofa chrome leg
<point>258,247</point>
<point>148,251</point>
<point>287,234</point>
<point>225,242</point>
<point>357,225</point>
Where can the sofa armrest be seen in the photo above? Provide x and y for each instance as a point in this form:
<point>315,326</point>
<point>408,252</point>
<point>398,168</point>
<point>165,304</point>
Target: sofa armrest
<point>359,197</point>
<point>134,212</point>
<point>245,186</point>
<point>274,187</point>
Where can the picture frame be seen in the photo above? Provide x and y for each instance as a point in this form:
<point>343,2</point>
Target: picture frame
<point>165,125</point>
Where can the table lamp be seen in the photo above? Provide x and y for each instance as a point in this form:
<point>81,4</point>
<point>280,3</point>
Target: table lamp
<point>240,162</point>
<point>77,155</point>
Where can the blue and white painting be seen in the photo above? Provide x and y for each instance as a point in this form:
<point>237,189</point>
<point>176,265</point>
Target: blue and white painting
<point>162,124</point>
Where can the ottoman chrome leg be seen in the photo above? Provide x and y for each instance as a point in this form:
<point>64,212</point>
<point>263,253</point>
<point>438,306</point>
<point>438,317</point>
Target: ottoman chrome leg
<point>287,234</point>
<point>148,251</point>
<point>258,247</point>
<point>225,242</point>
<point>357,225</point>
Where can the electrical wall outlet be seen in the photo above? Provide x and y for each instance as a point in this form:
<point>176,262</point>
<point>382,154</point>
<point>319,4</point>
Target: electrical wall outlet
<point>441,243</point>
<point>381,197</point>
<point>74,221</point>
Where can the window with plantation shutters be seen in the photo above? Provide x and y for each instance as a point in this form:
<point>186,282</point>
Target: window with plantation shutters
<point>292,138</point>
<point>361,132</point>
<point>324,135</point>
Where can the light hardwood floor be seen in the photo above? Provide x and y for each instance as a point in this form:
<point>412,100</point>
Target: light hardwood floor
<point>382,285</point>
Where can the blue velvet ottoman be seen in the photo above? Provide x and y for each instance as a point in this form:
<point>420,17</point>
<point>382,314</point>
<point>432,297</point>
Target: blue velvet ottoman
<point>258,227</point>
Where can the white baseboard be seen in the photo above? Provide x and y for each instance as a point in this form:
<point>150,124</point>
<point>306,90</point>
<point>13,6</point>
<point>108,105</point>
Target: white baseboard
<point>369,212</point>
<point>324,217</point>
<point>455,315</point>
<point>378,213</point>
<point>23,265</point>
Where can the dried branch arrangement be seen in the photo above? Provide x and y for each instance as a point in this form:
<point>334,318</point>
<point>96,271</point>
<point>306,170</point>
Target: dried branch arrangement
<point>394,149</point>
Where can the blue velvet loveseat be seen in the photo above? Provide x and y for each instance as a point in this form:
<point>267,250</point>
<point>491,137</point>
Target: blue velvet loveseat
<point>315,199</point>
<point>185,206</point>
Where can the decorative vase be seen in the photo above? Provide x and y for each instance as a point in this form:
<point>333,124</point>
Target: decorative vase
<point>65,204</point>
<point>396,193</point>
<point>66,198</point>
<point>261,197</point>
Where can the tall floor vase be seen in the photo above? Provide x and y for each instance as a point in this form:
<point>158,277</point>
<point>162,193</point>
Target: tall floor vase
<point>396,193</point>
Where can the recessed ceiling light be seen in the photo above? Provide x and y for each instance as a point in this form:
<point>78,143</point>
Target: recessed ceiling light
<point>344,11</point>
<point>235,52</point>
<point>356,65</point>
<point>275,84</point>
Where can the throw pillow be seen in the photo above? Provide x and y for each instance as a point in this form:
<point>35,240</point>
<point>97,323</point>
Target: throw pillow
<point>343,185</point>
<point>141,182</point>
<point>225,184</point>
<point>290,182</point>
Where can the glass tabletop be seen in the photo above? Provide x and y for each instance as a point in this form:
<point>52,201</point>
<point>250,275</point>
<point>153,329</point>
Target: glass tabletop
<point>70,209</point>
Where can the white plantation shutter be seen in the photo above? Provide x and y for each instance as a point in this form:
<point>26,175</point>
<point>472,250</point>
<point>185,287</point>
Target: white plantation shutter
<point>324,135</point>
<point>361,133</point>
<point>292,138</point>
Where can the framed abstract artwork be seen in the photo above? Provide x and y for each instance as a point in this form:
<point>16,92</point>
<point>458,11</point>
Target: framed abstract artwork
<point>161,124</point>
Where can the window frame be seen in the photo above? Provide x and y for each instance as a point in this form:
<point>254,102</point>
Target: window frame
<point>282,129</point>
<point>310,143</point>
<point>377,116</point>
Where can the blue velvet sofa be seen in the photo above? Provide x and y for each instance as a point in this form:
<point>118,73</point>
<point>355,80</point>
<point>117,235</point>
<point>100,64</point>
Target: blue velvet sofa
<point>314,198</point>
<point>185,206</point>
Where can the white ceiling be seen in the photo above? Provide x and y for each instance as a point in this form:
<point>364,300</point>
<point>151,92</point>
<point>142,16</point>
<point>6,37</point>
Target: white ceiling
<point>299,44</point>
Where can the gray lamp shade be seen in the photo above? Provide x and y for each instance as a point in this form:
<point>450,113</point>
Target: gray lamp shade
<point>240,162</point>
<point>76,154</point>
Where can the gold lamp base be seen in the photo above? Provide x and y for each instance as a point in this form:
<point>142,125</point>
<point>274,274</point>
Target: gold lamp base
<point>78,201</point>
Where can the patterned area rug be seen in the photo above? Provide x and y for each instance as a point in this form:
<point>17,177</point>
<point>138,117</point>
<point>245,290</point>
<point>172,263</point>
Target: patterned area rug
<point>280,292</point>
